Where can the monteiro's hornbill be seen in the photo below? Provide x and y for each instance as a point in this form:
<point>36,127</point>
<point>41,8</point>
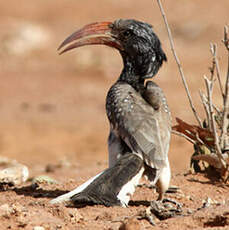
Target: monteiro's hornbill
<point>139,117</point>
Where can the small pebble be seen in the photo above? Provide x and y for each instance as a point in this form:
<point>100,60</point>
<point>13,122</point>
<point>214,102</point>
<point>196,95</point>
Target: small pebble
<point>130,224</point>
<point>15,175</point>
<point>43,179</point>
<point>6,210</point>
<point>38,228</point>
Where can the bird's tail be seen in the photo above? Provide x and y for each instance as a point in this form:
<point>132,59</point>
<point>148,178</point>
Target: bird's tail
<point>65,198</point>
<point>110,187</point>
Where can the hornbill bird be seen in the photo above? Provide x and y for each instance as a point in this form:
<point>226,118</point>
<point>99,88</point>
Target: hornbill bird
<point>140,120</point>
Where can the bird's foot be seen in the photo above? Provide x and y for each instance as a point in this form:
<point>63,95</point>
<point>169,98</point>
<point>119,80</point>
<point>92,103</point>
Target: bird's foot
<point>147,215</point>
<point>161,210</point>
<point>174,203</point>
<point>166,208</point>
<point>173,189</point>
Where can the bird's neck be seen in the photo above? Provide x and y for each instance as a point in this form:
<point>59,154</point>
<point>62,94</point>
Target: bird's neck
<point>130,76</point>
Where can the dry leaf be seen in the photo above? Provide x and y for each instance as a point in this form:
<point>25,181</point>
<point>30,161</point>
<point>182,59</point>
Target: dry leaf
<point>194,132</point>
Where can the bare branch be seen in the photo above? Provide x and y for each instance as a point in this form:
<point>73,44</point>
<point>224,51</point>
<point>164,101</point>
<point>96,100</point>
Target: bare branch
<point>199,140</point>
<point>216,138</point>
<point>178,63</point>
<point>216,109</point>
<point>206,108</point>
<point>183,135</point>
<point>215,65</point>
<point>205,103</point>
<point>226,37</point>
<point>212,68</point>
<point>224,136</point>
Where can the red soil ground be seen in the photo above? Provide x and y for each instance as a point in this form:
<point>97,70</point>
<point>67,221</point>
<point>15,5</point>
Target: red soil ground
<point>52,108</point>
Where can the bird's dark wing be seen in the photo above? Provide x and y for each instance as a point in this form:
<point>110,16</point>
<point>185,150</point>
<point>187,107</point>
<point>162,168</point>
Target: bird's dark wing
<point>143,127</point>
<point>116,147</point>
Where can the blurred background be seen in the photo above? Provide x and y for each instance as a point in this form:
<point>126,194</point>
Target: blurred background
<point>53,107</point>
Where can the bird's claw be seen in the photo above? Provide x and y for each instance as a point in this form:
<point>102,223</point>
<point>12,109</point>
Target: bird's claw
<point>174,202</point>
<point>147,215</point>
<point>162,210</point>
<point>166,208</point>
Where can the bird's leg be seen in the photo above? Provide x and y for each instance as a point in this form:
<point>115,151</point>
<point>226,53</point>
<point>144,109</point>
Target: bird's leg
<point>164,208</point>
<point>161,207</point>
<point>173,202</point>
<point>163,181</point>
<point>161,189</point>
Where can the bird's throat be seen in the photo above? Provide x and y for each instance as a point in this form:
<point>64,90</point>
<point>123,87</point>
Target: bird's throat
<point>132,79</point>
<point>130,76</point>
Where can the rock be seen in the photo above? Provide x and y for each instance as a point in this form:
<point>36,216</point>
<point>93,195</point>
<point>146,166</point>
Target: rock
<point>70,215</point>
<point>43,179</point>
<point>74,216</point>
<point>14,175</point>
<point>6,210</point>
<point>38,228</point>
<point>12,172</point>
<point>130,224</point>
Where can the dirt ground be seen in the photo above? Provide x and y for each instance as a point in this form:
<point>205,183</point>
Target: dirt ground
<point>53,117</point>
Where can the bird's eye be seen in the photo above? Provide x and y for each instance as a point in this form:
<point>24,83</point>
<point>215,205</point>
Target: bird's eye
<point>127,33</point>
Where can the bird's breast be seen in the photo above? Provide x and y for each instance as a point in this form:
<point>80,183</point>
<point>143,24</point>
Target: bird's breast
<point>120,101</point>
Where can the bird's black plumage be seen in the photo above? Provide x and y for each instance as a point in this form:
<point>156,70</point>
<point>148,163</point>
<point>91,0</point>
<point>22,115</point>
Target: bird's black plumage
<point>142,53</point>
<point>115,177</point>
<point>137,111</point>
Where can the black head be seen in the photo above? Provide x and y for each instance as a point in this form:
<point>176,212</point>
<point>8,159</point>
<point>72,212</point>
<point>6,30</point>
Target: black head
<point>136,41</point>
<point>141,46</point>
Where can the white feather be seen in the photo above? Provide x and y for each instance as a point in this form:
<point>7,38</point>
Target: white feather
<point>129,188</point>
<point>165,176</point>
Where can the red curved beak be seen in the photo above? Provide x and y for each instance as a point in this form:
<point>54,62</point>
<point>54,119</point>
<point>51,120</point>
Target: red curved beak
<point>98,33</point>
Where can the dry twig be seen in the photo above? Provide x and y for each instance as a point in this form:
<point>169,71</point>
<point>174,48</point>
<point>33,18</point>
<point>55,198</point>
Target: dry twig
<point>224,143</point>
<point>215,65</point>
<point>183,135</point>
<point>178,63</point>
<point>218,144</point>
<point>206,108</point>
<point>209,86</point>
